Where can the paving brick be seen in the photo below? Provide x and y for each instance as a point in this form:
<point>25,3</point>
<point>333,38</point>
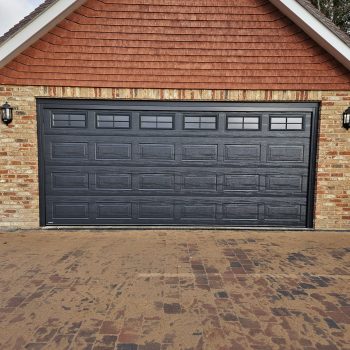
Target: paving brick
<point>118,301</point>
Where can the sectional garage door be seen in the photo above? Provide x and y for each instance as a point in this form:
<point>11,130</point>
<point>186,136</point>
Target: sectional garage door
<point>137,163</point>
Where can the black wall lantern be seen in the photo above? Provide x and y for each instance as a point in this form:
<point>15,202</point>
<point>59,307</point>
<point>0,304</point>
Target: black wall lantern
<point>346,119</point>
<point>6,113</point>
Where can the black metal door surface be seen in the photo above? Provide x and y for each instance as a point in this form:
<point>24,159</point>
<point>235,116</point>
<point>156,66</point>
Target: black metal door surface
<point>144,163</point>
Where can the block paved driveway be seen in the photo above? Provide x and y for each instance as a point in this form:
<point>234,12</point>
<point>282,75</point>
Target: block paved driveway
<point>168,289</point>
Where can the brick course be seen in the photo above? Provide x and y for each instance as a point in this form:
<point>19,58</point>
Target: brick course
<point>19,194</point>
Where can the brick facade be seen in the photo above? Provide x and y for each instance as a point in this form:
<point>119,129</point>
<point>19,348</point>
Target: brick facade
<point>19,195</point>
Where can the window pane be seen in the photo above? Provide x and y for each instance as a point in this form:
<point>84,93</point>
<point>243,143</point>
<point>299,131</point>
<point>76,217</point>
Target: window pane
<point>60,123</point>
<point>235,119</point>
<point>80,117</point>
<point>251,120</point>
<point>122,125</point>
<point>156,122</point>
<point>165,125</point>
<point>278,126</point>
<point>294,126</point>
<point>192,126</point>
<point>68,120</point>
<point>208,126</point>
<point>105,124</point>
<point>278,120</point>
<point>122,118</point>
<point>77,124</point>
<point>105,118</point>
<point>60,117</point>
<point>113,121</point>
<point>251,126</point>
<point>165,119</point>
<point>208,119</point>
<point>295,120</point>
<point>192,119</point>
<point>148,125</point>
<point>235,126</point>
<point>148,118</point>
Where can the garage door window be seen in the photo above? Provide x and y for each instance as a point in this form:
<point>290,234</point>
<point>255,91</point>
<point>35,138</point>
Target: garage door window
<point>156,122</point>
<point>113,121</point>
<point>243,123</point>
<point>208,123</point>
<point>286,123</point>
<point>66,120</point>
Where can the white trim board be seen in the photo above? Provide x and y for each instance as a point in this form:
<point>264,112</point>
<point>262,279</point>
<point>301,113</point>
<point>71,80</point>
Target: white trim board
<point>60,9</point>
<point>36,28</point>
<point>315,29</point>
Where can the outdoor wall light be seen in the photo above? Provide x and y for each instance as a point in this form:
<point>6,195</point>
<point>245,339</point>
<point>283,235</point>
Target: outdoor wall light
<point>6,113</point>
<point>346,119</point>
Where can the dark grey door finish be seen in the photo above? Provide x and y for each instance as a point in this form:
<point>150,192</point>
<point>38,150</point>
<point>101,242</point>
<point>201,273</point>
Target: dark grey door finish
<point>138,163</point>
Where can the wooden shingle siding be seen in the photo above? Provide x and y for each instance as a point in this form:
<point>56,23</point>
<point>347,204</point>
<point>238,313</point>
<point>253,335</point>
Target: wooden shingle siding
<point>222,44</point>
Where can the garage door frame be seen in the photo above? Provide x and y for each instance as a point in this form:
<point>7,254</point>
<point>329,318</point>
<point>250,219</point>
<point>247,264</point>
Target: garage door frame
<point>195,106</point>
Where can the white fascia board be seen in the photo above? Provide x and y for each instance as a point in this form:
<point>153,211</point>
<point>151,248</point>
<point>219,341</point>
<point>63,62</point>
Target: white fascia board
<point>36,28</point>
<point>315,29</point>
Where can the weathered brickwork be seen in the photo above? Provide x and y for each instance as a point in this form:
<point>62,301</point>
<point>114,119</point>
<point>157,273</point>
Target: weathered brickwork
<point>19,195</point>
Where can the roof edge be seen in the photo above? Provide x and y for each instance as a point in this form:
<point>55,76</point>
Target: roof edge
<point>35,28</point>
<point>317,30</point>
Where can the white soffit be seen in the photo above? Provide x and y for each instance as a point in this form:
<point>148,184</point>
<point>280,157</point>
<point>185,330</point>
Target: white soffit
<point>315,29</point>
<point>36,28</point>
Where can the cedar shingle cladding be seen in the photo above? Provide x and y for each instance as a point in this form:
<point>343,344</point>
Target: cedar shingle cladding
<point>194,44</point>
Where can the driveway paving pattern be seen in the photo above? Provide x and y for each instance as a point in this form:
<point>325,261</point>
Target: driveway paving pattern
<point>174,290</point>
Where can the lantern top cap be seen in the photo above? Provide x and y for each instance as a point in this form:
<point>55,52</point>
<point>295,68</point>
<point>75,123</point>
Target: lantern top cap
<point>347,111</point>
<point>6,105</point>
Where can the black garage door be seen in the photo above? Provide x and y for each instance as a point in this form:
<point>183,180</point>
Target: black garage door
<point>143,163</point>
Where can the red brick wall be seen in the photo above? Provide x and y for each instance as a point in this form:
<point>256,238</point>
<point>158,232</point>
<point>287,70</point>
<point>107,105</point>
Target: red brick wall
<point>187,44</point>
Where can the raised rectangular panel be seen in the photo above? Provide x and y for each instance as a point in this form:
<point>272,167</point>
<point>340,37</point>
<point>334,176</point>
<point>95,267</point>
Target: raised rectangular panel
<point>113,211</point>
<point>242,152</point>
<point>241,183</point>
<point>240,211</point>
<point>199,211</point>
<point>157,151</point>
<point>200,183</point>
<point>157,182</point>
<point>200,152</point>
<point>113,181</point>
<point>284,183</point>
<point>282,212</point>
<point>113,151</point>
<point>70,180</point>
<point>70,210</point>
<point>69,150</point>
<point>285,153</point>
<point>156,211</point>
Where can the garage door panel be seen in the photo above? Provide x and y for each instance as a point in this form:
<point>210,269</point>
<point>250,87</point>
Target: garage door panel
<point>199,152</point>
<point>237,152</point>
<point>242,182</point>
<point>286,153</point>
<point>68,150</point>
<point>157,182</point>
<point>155,164</point>
<point>181,181</point>
<point>112,151</point>
<point>159,151</point>
<point>241,212</point>
<point>69,180</point>
<point>166,210</point>
<point>113,211</point>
